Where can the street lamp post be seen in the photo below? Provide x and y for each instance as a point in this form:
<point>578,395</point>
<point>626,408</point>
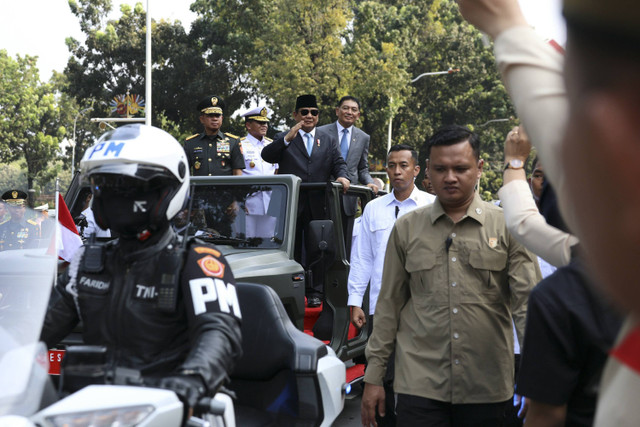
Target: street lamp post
<point>148,68</point>
<point>506,119</point>
<point>415,79</point>
<point>73,148</point>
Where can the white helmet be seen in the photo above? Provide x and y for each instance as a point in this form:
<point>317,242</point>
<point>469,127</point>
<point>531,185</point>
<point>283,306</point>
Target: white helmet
<point>139,178</point>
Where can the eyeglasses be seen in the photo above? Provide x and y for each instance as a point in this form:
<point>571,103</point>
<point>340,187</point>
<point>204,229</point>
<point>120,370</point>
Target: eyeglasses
<point>346,108</point>
<point>213,115</point>
<point>306,111</point>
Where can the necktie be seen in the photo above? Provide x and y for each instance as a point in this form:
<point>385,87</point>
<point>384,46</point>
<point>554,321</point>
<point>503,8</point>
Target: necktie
<point>344,144</point>
<point>309,138</point>
<point>397,210</point>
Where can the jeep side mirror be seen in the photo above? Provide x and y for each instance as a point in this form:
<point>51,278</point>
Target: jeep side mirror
<point>320,244</point>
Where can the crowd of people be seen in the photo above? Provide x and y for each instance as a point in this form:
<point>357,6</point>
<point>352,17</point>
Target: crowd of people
<point>336,151</point>
<point>457,286</point>
<point>442,319</point>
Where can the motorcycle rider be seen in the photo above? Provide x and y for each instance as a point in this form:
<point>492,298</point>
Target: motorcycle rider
<point>159,306</point>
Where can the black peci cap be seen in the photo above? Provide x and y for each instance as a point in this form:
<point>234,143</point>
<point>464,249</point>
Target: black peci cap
<point>306,101</point>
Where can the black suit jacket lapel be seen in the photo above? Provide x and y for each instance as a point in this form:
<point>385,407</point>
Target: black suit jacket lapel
<point>300,144</point>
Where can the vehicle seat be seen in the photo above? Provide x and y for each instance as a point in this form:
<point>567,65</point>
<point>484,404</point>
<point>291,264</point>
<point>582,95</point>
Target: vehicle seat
<point>275,380</point>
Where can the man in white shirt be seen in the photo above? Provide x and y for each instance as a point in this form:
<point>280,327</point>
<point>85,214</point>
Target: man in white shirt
<point>86,222</point>
<point>257,124</point>
<point>377,221</point>
<point>258,223</point>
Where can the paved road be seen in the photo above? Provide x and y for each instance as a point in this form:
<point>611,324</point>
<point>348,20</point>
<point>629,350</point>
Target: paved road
<point>350,415</point>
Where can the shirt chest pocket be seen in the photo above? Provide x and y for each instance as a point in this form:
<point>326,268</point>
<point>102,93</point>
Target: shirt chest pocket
<point>489,268</point>
<point>380,222</point>
<point>198,153</point>
<point>427,279</point>
<point>380,228</point>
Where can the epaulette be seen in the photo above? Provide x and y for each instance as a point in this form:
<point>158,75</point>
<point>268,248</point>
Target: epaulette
<point>32,222</point>
<point>268,139</point>
<point>193,136</point>
<point>230,135</point>
<point>244,139</point>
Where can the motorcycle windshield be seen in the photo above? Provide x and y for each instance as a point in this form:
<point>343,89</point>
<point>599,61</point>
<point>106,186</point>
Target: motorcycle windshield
<point>27,272</point>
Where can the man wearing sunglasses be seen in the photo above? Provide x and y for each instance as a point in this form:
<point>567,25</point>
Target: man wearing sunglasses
<point>213,152</point>
<point>314,156</point>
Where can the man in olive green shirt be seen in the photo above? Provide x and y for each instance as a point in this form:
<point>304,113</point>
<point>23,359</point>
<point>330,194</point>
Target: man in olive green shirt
<point>453,280</point>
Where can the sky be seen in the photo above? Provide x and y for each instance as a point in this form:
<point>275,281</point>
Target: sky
<point>40,27</point>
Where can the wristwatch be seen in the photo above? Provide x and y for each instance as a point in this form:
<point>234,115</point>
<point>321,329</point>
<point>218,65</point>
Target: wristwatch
<point>514,164</point>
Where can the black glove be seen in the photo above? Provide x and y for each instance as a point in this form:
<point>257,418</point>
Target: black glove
<point>189,388</point>
<point>81,221</point>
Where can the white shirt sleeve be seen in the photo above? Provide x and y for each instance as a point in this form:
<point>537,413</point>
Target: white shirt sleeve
<point>361,262</point>
<point>532,71</point>
<point>92,226</point>
<point>529,227</point>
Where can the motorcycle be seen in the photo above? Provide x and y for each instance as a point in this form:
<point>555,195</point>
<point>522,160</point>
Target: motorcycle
<point>284,377</point>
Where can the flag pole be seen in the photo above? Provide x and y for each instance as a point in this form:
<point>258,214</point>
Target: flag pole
<point>55,230</point>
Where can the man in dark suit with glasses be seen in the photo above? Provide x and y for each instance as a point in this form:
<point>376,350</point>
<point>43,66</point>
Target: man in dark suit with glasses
<point>314,156</point>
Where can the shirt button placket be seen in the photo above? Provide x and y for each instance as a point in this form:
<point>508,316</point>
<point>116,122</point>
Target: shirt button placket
<point>455,320</point>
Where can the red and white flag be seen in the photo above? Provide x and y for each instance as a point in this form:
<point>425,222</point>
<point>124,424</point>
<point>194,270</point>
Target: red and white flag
<point>67,238</point>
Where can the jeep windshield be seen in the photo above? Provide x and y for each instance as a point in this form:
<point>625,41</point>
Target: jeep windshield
<point>239,215</point>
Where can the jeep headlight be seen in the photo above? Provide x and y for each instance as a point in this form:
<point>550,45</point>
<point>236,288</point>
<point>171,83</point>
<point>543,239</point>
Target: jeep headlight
<point>121,417</point>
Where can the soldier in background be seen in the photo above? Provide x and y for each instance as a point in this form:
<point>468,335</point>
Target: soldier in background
<point>257,123</point>
<point>18,232</point>
<point>258,222</point>
<point>44,223</point>
<point>213,152</point>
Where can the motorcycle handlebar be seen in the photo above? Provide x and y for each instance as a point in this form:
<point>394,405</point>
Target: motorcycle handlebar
<point>210,405</point>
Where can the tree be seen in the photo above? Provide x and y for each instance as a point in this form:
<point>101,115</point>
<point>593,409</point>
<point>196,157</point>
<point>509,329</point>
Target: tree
<point>76,115</point>
<point>13,175</point>
<point>275,50</point>
<point>29,117</point>
<point>112,61</point>
<point>381,48</point>
<point>470,97</point>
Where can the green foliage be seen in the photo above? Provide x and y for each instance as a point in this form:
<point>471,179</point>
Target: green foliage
<point>13,175</point>
<point>30,126</point>
<point>186,67</point>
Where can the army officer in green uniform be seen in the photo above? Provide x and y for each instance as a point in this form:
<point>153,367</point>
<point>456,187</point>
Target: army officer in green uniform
<point>213,152</point>
<point>17,233</point>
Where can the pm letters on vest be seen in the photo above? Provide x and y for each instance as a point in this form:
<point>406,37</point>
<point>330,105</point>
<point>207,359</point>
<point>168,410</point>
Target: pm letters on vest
<point>206,289</point>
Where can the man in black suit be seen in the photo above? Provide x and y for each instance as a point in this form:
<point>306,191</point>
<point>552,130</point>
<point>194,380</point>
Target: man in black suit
<point>314,156</point>
<point>354,148</point>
